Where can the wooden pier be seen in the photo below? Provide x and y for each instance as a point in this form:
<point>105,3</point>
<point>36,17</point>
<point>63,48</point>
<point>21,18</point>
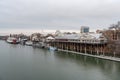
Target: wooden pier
<point>90,48</point>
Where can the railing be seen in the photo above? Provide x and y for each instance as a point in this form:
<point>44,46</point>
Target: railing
<point>88,42</point>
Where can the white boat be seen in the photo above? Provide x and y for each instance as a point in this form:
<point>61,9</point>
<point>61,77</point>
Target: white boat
<point>12,40</point>
<point>52,48</point>
<point>29,43</point>
<point>22,41</point>
<point>39,44</point>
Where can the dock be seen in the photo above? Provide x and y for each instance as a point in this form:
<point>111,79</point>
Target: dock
<point>95,56</point>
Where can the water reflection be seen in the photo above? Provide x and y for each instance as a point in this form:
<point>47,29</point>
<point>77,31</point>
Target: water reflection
<point>108,68</point>
<point>19,62</point>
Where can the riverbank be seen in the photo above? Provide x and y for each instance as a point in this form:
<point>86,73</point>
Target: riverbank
<point>96,56</point>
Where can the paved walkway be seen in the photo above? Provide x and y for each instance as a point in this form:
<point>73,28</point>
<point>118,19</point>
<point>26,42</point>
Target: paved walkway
<point>97,56</point>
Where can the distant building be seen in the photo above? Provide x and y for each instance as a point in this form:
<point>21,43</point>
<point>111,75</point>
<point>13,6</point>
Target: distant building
<point>113,33</point>
<point>84,29</point>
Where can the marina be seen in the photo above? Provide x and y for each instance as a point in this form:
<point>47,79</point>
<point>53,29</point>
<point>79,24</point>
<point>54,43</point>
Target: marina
<point>75,48</point>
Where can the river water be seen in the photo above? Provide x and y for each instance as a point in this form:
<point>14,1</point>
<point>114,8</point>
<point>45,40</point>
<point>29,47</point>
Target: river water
<point>19,62</point>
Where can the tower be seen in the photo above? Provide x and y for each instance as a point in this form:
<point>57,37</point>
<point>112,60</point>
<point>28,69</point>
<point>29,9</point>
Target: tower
<point>84,29</point>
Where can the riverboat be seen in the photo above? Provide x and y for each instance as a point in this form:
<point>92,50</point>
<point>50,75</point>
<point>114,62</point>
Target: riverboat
<point>12,40</point>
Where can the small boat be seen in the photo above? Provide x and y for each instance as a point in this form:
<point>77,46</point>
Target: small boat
<point>23,41</point>
<point>39,44</point>
<point>29,43</point>
<point>12,40</point>
<point>52,48</point>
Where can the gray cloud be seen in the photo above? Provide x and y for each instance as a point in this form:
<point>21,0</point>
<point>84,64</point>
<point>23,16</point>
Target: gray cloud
<point>58,14</point>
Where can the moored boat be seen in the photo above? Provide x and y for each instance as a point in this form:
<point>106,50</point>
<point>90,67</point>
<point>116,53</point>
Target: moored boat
<point>12,40</point>
<point>52,48</point>
<point>29,43</point>
<point>23,41</point>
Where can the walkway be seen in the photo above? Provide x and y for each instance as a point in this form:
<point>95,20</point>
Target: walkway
<point>85,54</point>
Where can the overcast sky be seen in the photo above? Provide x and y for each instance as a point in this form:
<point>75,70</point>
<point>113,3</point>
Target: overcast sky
<point>58,14</point>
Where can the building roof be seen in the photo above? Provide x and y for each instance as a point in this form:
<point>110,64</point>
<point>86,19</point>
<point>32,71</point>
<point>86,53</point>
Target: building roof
<point>80,36</point>
<point>49,37</point>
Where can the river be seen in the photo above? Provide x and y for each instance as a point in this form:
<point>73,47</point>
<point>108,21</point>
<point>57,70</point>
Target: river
<point>18,62</point>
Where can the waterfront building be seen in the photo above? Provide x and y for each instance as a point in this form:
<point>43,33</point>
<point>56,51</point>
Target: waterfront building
<point>82,38</point>
<point>91,43</point>
<point>113,36</point>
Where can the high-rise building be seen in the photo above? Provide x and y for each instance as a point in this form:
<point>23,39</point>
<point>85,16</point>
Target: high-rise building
<point>84,29</point>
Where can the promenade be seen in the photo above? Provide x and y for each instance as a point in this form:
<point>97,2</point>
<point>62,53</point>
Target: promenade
<point>96,56</point>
